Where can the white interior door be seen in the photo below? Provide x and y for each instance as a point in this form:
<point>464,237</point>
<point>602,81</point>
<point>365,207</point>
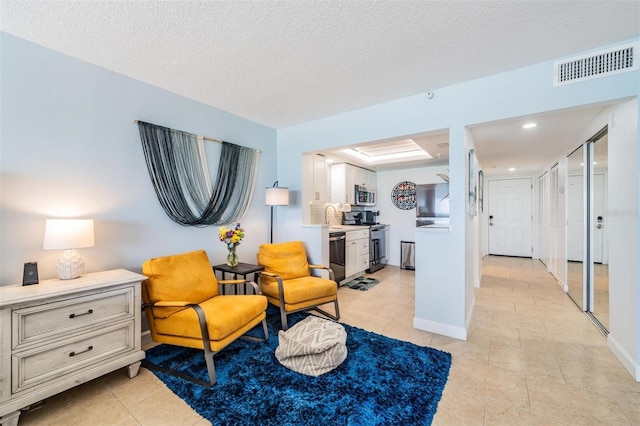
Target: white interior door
<point>510,218</point>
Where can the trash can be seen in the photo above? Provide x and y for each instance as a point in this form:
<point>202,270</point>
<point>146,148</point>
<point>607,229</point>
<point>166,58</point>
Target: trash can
<point>407,255</point>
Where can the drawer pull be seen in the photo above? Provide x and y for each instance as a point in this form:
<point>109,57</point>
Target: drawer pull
<point>81,352</point>
<point>90,311</point>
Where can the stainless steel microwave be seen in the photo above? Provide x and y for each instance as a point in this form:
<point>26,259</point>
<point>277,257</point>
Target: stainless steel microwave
<point>364,196</point>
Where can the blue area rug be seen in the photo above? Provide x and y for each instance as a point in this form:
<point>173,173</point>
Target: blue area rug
<point>382,382</point>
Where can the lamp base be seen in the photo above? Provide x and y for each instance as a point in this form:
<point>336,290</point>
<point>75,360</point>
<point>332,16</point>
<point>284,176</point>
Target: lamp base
<point>70,265</point>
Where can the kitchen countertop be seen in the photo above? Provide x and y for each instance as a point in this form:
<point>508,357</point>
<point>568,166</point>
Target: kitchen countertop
<point>346,228</point>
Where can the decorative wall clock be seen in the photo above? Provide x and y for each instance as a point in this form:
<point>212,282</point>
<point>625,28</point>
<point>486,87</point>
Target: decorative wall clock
<point>403,195</point>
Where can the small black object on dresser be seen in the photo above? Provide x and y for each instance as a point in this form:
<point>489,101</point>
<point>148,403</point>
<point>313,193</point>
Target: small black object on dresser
<point>30,274</point>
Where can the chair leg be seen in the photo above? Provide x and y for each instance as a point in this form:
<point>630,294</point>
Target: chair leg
<point>206,344</point>
<point>265,330</point>
<point>211,367</point>
<point>283,319</point>
<point>337,309</point>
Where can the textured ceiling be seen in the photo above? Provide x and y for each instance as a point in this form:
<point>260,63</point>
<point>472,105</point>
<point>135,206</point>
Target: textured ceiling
<point>281,63</point>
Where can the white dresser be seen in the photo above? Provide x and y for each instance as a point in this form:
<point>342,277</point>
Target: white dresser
<point>61,333</point>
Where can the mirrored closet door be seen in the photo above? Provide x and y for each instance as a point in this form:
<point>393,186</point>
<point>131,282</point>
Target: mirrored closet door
<point>587,244</point>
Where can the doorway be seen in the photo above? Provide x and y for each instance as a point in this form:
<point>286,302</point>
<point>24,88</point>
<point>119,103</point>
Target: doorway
<point>587,242</point>
<point>510,218</point>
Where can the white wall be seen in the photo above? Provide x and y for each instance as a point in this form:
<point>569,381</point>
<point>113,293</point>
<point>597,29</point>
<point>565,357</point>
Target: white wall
<point>69,148</point>
<point>402,223</point>
<point>623,221</point>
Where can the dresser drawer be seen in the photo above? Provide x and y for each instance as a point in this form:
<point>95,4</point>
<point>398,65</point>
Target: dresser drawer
<point>59,319</point>
<point>38,365</point>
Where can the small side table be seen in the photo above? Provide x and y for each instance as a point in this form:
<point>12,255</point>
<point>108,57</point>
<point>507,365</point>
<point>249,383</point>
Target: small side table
<point>243,269</point>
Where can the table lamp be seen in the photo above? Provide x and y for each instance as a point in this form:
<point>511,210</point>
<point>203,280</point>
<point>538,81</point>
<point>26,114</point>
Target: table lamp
<point>276,196</point>
<point>68,235</point>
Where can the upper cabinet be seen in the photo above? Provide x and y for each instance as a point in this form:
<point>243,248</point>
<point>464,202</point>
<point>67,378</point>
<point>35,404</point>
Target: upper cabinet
<point>344,178</point>
<point>315,183</point>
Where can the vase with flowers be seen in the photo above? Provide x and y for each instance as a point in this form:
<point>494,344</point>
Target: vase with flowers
<point>231,237</point>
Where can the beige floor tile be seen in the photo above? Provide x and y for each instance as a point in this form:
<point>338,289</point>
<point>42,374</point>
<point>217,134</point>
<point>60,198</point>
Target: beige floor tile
<point>498,414</point>
<point>73,400</point>
<point>630,403</point>
<point>493,383</point>
<point>108,412</point>
<point>574,405</point>
<point>525,360</point>
<point>163,407</point>
<point>459,407</point>
<point>132,391</point>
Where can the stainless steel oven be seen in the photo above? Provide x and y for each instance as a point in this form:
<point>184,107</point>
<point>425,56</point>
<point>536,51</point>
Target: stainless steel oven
<point>377,247</point>
<point>337,254</point>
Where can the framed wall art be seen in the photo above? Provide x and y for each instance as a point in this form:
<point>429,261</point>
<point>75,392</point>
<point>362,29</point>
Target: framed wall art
<point>481,190</point>
<point>403,195</point>
<point>473,177</point>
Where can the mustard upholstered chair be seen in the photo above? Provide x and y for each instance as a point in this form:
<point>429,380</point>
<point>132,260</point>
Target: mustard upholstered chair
<point>287,281</point>
<point>184,307</point>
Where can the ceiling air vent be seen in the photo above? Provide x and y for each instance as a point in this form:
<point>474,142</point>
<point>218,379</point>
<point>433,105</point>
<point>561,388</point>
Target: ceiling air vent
<point>598,64</point>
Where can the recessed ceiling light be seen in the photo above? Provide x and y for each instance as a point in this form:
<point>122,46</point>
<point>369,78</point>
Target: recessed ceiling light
<point>529,125</point>
<point>512,169</point>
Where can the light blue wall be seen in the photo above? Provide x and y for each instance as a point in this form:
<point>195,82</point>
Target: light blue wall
<point>69,147</point>
<point>519,92</point>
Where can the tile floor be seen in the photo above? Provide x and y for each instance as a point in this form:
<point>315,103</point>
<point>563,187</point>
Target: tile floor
<point>531,358</point>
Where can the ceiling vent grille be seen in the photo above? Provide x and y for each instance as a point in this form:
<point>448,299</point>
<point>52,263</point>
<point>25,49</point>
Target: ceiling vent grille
<point>608,62</point>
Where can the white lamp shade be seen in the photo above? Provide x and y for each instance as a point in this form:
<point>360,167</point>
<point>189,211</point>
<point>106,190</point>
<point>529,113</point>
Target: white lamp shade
<point>68,234</point>
<point>277,196</point>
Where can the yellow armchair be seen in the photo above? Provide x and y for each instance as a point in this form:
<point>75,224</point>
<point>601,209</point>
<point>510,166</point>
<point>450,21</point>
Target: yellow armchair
<point>287,281</point>
<point>185,308</point>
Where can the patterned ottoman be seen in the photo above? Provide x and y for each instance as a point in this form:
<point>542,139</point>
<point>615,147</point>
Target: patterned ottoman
<point>313,346</point>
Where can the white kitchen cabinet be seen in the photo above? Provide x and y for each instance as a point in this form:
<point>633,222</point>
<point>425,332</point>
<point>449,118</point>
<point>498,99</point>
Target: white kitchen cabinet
<point>315,183</point>
<point>60,333</point>
<point>356,252</point>
<point>344,178</point>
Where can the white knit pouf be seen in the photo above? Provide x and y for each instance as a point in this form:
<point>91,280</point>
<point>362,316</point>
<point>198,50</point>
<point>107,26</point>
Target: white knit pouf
<point>313,346</point>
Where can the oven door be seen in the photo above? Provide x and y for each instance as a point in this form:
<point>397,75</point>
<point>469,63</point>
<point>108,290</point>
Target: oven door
<point>377,248</point>
<point>337,254</point>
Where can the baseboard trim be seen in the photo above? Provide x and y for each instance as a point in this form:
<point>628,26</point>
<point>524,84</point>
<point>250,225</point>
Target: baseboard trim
<point>625,359</point>
<point>440,328</point>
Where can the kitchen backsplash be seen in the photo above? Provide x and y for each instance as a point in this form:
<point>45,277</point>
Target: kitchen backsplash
<point>317,216</point>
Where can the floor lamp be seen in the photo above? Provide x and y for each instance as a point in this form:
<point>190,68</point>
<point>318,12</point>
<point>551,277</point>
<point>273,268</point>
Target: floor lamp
<point>276,196</point>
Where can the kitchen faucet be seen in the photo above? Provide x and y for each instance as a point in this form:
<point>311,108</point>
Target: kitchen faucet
<point>335,211</point>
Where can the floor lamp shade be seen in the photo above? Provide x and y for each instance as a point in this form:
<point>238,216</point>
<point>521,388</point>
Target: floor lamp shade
<point>277,196</point>
<point>68,235</point>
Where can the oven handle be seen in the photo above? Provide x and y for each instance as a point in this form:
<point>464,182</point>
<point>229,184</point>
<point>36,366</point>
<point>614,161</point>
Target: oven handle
<point>341,237</point>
